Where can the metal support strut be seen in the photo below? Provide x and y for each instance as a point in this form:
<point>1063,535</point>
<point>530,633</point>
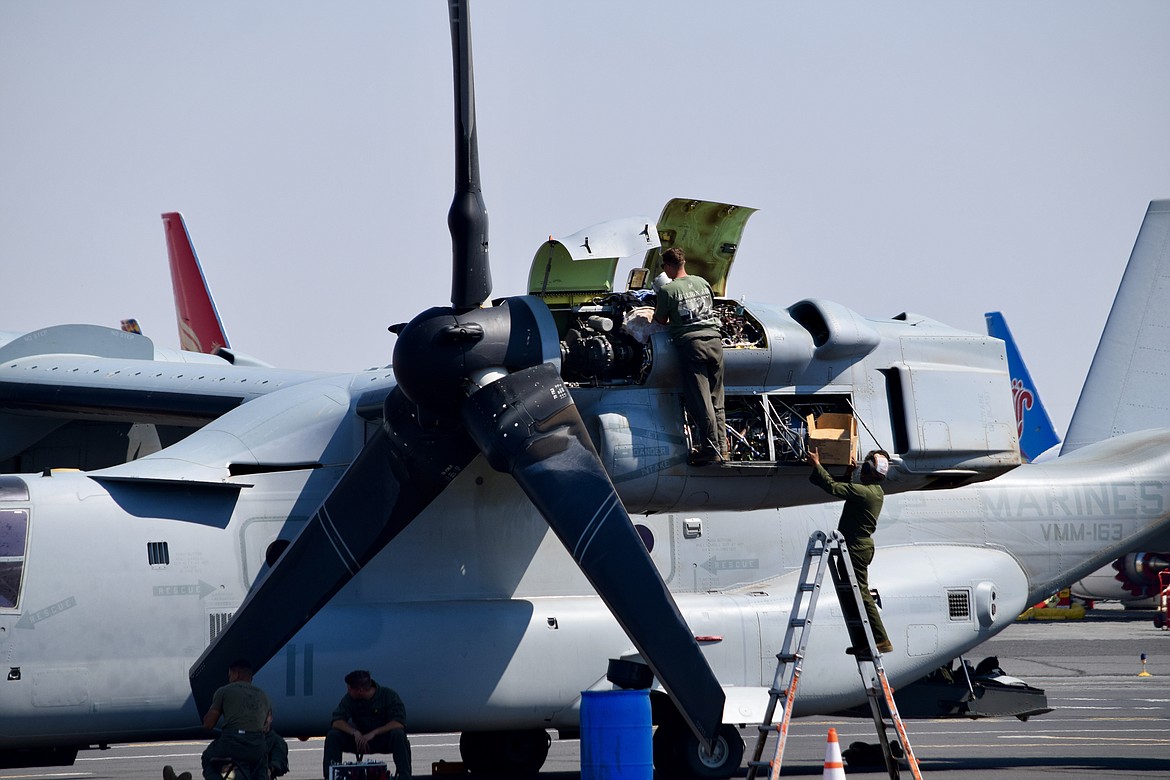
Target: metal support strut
<point>829,552</point>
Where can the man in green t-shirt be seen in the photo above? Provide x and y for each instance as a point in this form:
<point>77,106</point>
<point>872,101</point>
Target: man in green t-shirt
<point>370,718</point>
<point>859,518</point>
<point>246,734</point>
<point>687,307</point>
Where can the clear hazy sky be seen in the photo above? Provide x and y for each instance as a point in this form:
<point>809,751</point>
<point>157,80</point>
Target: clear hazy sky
<point>940,158</point>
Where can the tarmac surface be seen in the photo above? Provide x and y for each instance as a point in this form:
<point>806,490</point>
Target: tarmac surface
<point>1107,720</point>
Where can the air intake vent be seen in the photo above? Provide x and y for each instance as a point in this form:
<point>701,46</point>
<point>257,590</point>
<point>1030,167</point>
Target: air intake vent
<point>959,604</point>
<point>158,554</point>
<point>218,621</point>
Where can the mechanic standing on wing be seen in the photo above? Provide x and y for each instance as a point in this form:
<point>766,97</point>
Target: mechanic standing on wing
<point>687,306</point>
<point>859,518</point>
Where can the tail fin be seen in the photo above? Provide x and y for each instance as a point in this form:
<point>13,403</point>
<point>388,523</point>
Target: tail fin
<point>1126,387</point>
<point>1034,426</point>
<point>200,329</point>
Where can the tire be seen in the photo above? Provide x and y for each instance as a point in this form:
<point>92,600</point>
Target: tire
<point>722,762</point>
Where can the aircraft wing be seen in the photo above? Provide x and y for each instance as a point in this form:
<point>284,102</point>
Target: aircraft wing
<point>79,372</point>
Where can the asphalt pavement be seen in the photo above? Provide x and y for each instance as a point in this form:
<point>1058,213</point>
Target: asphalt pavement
<point>1107,721</point>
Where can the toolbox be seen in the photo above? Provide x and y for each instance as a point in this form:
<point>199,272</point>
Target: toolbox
<point>359,770</point>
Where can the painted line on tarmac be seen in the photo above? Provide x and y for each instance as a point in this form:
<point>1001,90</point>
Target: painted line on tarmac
<point>132,758</point>
<point>1094,739</point>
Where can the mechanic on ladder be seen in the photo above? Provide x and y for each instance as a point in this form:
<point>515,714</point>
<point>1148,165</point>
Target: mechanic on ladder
<point>859,518</point>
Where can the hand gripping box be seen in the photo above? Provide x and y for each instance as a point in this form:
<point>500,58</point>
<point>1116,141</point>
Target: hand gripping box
<point>360,770</point>
<point>834,437</point>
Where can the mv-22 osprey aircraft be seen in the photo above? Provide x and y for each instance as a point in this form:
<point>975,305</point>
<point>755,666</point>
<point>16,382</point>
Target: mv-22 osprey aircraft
<point>318,522</point>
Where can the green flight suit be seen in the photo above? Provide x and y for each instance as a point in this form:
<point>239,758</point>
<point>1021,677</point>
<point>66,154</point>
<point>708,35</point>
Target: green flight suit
<point>688,307</point>
<point>859,519</point>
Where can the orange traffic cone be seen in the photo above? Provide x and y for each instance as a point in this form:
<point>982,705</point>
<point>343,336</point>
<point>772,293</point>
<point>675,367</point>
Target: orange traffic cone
<point>834,766</point>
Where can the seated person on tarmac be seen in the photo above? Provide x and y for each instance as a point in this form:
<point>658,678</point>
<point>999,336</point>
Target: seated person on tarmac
<point>247,734</point>
<point>370,718</point>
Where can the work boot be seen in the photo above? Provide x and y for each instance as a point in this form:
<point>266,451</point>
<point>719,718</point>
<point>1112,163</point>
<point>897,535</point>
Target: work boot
<point>705,457</point>
<point>885,647</point>
<point>169,773</point>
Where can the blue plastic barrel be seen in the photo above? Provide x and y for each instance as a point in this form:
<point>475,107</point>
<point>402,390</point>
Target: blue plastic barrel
<point>616,736</point>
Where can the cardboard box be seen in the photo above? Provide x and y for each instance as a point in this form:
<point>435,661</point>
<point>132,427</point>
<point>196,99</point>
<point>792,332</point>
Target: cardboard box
<point>834,437</point>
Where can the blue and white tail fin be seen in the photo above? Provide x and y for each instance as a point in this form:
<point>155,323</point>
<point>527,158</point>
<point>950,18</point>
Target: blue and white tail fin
<point>1033,424</point>
<point>1126,389</point>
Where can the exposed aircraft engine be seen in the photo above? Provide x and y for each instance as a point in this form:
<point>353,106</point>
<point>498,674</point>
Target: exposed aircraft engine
<point>766,428</point>
<point>739,330</point>
<point>605,341</point>
<point>589,355</point>
<point>594,351</point>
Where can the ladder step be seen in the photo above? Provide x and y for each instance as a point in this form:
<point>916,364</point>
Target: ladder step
<point>833,558</point>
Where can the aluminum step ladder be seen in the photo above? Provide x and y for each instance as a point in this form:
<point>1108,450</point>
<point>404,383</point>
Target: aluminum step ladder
<point>828,552</point>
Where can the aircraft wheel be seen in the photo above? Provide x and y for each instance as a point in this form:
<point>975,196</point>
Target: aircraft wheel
<point>696,762</point>
<point>510,754</point>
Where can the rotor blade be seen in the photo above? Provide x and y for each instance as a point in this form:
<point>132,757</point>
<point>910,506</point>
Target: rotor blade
<point>400,470</point>
<point>527,424</point>
<point>471,277</point>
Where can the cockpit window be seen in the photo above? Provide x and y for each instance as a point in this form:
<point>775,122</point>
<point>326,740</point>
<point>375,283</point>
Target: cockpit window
<point>13,489</point>
<point>13,535</point>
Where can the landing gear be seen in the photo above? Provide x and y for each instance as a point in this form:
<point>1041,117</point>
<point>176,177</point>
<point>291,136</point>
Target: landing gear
<point>678,753</point>
<point>510,754</point>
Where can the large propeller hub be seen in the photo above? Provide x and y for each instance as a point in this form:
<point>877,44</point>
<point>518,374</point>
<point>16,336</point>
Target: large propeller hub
<point>441,353</point>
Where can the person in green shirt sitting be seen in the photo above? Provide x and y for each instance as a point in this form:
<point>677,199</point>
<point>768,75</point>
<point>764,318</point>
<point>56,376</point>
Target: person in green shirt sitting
<point>370,718</point>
